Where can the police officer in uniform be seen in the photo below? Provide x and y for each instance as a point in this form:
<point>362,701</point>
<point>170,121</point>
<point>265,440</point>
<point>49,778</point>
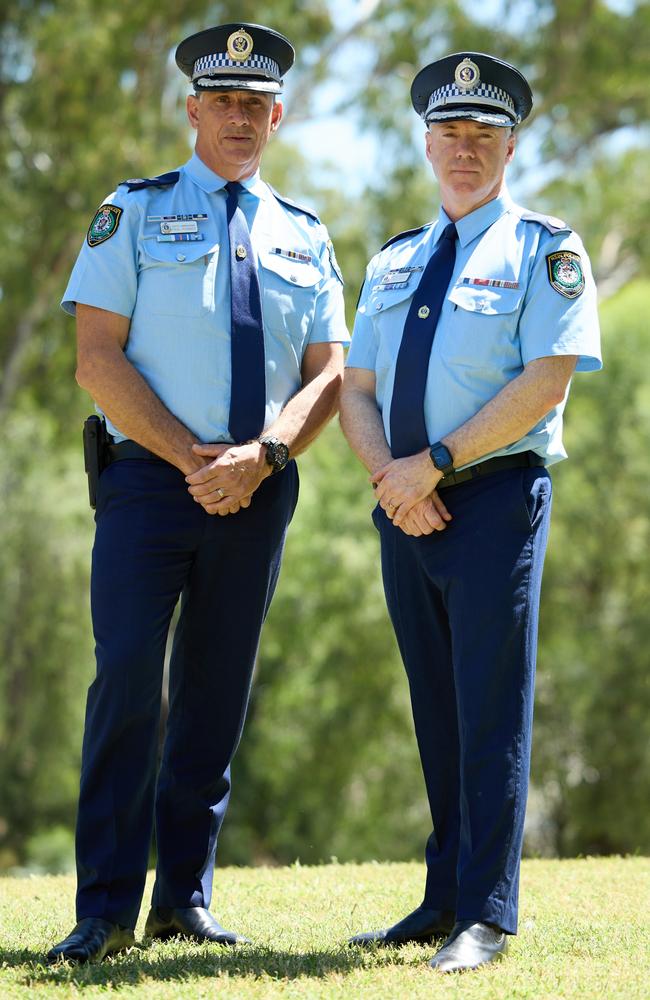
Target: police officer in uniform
<point>467,334</point>
<point>210,329</point>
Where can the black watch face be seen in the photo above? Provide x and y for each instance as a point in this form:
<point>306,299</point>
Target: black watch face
<point>281,456</point>
<point>441,458</point>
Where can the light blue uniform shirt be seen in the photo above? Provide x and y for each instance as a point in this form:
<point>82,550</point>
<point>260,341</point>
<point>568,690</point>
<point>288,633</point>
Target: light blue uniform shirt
<point>177,293</point>
<point>501,311</point>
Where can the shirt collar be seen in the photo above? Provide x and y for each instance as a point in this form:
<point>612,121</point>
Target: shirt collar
<point>209,181</point>
<point>472,225</point>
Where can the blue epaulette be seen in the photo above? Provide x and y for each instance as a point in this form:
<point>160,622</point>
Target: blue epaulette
<point>549,222</point>
<point>405,234</point>
<point>293,204</point>
<point>163,180</point>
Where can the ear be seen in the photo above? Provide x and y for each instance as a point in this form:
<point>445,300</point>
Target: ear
<point>427,144</point>
<point>192,108</point>
<point>276,115</point>
<point>510,148</point>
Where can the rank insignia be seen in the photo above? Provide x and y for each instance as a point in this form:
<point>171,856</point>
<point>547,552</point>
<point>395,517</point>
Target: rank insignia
<point>565,273</point>
<point>467,75</point>
<point>104,225</point>
<point>239,45</point>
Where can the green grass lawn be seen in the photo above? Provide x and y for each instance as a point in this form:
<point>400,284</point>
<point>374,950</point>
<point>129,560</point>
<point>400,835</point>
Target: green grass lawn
<point>583,934</point>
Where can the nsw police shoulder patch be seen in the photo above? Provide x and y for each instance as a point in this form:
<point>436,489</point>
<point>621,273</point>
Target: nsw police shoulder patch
<point>104,225</point>
<point>565,273</point>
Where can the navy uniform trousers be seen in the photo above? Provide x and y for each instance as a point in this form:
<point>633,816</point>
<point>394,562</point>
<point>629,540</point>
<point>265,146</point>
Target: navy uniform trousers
<point>153,544</point>
<point>464,605</point>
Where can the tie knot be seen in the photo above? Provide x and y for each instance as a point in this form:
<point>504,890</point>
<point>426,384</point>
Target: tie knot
<point>234,188</point>
<point>449,232</point>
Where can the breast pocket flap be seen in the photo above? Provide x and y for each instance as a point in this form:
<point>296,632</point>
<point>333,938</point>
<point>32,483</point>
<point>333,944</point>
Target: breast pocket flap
<point>486,300</point>
<point>295,272</point>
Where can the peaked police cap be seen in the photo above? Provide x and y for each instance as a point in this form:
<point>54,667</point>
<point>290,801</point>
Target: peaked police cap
<point>472,85</point>
<point>236,56</point>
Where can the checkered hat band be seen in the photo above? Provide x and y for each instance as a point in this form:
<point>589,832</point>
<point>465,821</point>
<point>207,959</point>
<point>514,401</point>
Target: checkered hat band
<point>219,61</point>
<point>485,93</point>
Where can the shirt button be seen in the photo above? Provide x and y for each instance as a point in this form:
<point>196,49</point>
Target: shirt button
<point>180,256</point>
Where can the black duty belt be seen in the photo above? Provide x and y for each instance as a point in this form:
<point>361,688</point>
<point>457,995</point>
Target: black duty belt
<point>131,449</point>
<point>523,459</point>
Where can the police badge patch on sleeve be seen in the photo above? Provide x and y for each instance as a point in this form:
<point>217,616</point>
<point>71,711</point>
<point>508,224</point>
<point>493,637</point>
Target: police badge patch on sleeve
<point>104,225</point>
<point>565,273</point>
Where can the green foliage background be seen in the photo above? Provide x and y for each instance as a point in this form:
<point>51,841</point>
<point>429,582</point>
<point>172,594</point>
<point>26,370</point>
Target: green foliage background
<point>89,95</point>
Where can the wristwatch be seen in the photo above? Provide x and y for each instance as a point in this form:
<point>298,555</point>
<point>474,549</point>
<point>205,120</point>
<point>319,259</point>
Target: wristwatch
<point>277,453</point>
<point>441,458</point>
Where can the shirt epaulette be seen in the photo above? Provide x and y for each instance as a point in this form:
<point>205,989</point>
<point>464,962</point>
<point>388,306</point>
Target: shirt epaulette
<point>549,222</point>
<point>405,235</point>
<point>293,204</point>
<point>163,180</point>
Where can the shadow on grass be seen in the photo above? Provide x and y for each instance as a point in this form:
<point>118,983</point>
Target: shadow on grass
<point>140,964</point>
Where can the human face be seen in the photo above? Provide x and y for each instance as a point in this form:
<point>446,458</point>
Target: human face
<point>233,127</point>
<point>469,159</point>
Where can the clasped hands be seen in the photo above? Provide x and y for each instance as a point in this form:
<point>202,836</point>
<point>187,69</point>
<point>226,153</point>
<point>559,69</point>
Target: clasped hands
<point>227,483</point>
<point>406,491</point>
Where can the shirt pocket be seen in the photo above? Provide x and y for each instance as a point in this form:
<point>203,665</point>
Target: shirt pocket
<point>177,279</point>
<point>289,289</point>
<point>482,329</point>
<point>388,308</point>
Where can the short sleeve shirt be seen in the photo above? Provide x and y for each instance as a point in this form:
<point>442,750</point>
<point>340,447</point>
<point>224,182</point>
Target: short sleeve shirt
<point>521,289</point>
<point>165,265</point>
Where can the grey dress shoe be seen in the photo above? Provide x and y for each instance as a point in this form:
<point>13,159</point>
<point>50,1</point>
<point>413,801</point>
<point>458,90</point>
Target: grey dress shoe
<point>194,922</point>
<point>470,945</point>
<point>92,940</point>
<point>422,924</point>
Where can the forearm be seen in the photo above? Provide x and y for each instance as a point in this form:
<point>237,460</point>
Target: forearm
<point>513,412</point>
<point>363,427</point>
<point>308,412</point>
<point>126,399</point>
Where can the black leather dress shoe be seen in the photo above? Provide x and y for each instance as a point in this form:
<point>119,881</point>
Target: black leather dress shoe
<point>469,945</point>
<point>195,922</point>
<point>92,940</point>
<point>421,925</point>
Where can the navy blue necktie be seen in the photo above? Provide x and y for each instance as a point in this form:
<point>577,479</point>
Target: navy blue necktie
<point>248,383</point>
<point>408,430</point>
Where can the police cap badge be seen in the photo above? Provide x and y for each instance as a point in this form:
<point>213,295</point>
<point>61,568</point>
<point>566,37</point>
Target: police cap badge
<point>236,56</point>
<point>472,85</point>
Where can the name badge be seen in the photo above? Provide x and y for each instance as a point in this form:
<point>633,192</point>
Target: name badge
<point>398,278</point>
<point>179,227</point>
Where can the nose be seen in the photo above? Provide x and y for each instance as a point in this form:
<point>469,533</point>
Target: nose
<point>465,147</point>
<point>239,113</point>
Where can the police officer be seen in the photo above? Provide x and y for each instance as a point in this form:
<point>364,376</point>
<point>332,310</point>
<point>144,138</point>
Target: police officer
<point>467,334</point>
<point>210,330</point>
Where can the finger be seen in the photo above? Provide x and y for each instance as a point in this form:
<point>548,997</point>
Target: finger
<point>210,450</point>
<point>432,518</point>
<point>208,493</point>
<point>228,510</point>
<point>245,501</point>
<point>203,475</point>
<point>377,476</point>
<point>440,507</point>
<point>419,521</point>
<point>401,511</point>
